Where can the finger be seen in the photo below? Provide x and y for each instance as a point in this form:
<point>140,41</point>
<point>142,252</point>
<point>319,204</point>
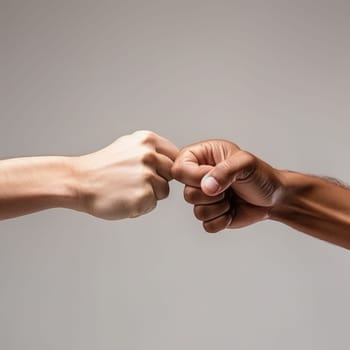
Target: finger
<point>195,160</point>
<point>218,224</point>
<point>190,167</point>
<point>160,187</point>
<point>164,165</point>
<point>159,163</point>
<point>237,167</point>
<point>211,211</point>
<point>194,195</point>
<point>190,173</point>
<point>159,143</point>
<point>166,147</point>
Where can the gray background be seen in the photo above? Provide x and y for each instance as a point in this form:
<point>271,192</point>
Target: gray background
<point>273,77</point>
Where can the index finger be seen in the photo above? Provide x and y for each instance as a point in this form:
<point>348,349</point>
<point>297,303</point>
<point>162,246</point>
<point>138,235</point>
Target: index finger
<point>166,147</point>
<point>188,168</point>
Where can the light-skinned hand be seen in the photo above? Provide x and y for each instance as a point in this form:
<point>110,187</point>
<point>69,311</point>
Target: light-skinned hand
<point>127,178</point>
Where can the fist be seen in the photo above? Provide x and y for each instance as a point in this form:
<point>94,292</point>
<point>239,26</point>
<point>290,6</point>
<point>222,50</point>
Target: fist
<point>229,187</point>
<point>127,178</point>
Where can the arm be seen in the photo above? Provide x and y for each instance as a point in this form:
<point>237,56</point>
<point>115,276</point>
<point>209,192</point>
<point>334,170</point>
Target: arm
<point>315,206</point>
<point>125,179</point>
<point>231,188</point>
<point>31,184</point>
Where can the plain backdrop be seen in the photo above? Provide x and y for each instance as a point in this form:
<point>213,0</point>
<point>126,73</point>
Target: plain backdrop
<point>272,76</point>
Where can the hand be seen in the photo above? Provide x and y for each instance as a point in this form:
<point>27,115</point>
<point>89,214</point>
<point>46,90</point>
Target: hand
<point>127,178</point>
<point>229,188</point>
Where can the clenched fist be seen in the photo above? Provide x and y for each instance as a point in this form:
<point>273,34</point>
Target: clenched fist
<point>127,178</point>
<point>229,188</point>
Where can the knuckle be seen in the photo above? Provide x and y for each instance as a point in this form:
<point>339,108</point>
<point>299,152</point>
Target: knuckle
<point>148,175</point>
<point>149,157</point>
<point>250,158</point>
<point>189,195</point>
<point>250,162</point>
<point>146,136</point>
<point>200,212</point>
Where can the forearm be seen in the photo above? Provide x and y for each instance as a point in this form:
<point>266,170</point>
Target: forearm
<point>315,206</point>
<point>31,184</point>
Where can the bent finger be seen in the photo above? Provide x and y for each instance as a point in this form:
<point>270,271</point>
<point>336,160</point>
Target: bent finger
<point>160,187</point>
<point>218,224</point>
<point>194,195</point>
<point>211,211</point>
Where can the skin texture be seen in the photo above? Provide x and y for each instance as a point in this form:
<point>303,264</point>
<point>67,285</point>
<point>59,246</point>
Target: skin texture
<point>123,180</point>
<point>232,188</point>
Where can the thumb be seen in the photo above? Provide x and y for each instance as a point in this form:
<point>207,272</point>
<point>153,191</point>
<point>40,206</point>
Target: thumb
<point>237,167</point>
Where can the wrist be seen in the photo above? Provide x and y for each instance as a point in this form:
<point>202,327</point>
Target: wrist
<point>294,188</point>
<point>82,182</point>
<point>67,193</point>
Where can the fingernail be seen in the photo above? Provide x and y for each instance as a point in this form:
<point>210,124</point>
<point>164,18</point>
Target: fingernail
<point>209,184</point>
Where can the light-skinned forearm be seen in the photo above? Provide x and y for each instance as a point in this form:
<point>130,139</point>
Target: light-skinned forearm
<point>315,206</point>
<point>31,184</point>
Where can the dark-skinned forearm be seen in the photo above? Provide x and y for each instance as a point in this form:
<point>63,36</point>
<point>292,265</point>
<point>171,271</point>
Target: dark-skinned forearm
<point>315,206</point>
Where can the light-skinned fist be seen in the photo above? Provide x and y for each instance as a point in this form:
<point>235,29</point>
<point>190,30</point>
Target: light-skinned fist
<point>127,178</point>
